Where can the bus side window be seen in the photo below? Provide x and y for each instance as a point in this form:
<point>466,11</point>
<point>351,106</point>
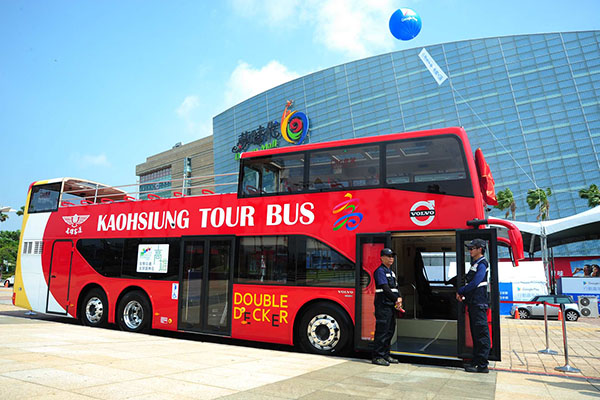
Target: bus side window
<point>251,181</point>
<point>429,165</point>
<point>344,167</point>
<point>278,174</point>
<point>269,180</point>
<point>44,198</point>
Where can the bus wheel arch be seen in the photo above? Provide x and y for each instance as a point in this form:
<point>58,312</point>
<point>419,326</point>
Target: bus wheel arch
<point>323,327</point>
<point>134,310</point>
<point>93,306</point>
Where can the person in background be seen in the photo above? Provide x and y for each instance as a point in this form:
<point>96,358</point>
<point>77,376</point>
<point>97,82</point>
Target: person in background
<point>372,178</point>
<point>474,294</point>
<point>595,270</point>
<point>387,300</point>
<point>587,270</point>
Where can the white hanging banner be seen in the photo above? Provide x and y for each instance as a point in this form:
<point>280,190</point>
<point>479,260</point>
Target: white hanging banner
<point>432,66</point>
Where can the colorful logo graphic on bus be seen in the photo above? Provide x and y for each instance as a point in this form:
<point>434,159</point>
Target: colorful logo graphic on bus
<point>422,212</point>
<point>144,251</point>
<point>74,221</point>
<point>294,125</point>
<point>350,219</point>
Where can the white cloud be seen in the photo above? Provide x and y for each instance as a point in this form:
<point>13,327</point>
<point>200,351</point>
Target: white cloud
<point>356,28</point>
<point>246,81</point>
<point>197,124</point>
<point>90,160</point>
<point>190,103</point>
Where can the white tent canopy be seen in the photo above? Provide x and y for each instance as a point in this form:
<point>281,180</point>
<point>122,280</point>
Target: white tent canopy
<point>576,228</point>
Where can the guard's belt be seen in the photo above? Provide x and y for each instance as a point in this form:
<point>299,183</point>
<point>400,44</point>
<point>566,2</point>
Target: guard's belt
<point>393,290</point>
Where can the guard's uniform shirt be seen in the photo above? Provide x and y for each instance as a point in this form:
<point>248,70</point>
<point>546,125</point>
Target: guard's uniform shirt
<point>385,276</point>
<point>475,292</point>
<point>386,295</point>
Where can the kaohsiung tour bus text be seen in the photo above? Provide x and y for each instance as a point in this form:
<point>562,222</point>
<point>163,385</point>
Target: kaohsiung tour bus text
<point>287,259</point>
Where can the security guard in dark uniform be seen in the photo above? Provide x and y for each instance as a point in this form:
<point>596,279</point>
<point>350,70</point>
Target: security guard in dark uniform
<point>387,299</point>
<point>475,295</point>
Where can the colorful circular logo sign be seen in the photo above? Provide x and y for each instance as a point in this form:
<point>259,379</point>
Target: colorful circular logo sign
<point>294,125</point>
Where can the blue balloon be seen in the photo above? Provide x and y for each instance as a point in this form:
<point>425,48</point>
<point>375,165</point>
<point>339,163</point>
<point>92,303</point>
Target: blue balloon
<point>405,24</point>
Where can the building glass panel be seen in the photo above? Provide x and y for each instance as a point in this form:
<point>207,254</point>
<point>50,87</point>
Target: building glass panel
<point>529,101</point>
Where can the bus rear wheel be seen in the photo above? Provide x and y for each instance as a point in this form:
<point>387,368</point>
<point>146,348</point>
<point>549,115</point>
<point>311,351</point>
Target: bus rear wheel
<point>95,308</point>
<point>324,329</point>
<point>134,312</point>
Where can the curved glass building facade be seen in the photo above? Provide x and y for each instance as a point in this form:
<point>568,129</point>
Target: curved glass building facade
<point>531,102</point>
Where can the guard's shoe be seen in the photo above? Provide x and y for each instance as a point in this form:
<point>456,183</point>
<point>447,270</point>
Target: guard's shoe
<point>392,360</point>
<point>477,369</point>
<point>380,361</point>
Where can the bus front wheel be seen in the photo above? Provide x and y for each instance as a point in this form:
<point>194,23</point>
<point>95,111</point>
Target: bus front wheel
<point>134,312</point>
<point>324,329</point>
<point>95,308</point>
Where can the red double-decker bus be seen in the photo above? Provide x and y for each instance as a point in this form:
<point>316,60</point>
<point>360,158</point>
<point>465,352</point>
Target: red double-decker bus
<point>287,259</point>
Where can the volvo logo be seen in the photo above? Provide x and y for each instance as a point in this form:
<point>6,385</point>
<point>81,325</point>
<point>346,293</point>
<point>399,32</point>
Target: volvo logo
<point>422,212</point>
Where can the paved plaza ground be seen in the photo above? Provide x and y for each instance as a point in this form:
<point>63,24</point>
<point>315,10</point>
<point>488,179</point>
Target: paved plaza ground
<point>44,357</point>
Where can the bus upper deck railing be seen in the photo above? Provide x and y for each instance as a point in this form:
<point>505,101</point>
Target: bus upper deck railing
<point>94,193</point>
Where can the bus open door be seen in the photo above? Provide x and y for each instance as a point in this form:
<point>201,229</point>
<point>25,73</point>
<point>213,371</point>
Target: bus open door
<point>428,267</point>
<point>465,343</point>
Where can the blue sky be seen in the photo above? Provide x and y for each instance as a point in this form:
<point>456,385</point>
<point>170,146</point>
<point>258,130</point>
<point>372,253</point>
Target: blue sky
<point>91,88</point>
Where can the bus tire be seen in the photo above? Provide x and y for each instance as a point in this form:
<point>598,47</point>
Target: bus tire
<point>324,329</point>
<point>94,309</point>
<point>134,312</point>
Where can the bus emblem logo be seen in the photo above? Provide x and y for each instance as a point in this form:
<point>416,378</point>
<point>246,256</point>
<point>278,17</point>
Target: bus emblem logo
<point>417,211</point>
<point>74,221</point>
<point>350,219</point>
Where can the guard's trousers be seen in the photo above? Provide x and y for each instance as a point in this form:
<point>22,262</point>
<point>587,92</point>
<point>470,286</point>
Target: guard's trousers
<point>480,333</point>
<point>385,326</point>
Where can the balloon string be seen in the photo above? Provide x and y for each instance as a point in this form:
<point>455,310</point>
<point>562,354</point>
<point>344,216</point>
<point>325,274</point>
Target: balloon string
<point>492,133</point>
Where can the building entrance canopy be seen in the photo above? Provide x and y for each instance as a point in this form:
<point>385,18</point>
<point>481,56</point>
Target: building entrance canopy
<point>576,228</point>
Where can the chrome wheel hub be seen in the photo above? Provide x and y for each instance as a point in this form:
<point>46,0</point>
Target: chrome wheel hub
<point>323,332</point>
<point>94,309</point>
<point>133,314</point>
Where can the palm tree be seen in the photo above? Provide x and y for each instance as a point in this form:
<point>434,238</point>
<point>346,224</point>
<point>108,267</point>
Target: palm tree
<point>539,197</point>
<point>506,202</point>
<point>592,195</point>
<point>4,217</point>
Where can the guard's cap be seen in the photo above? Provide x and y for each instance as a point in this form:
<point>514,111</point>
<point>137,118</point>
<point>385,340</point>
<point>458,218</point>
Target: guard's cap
<point>387,252</point>
<point>476,243</point>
